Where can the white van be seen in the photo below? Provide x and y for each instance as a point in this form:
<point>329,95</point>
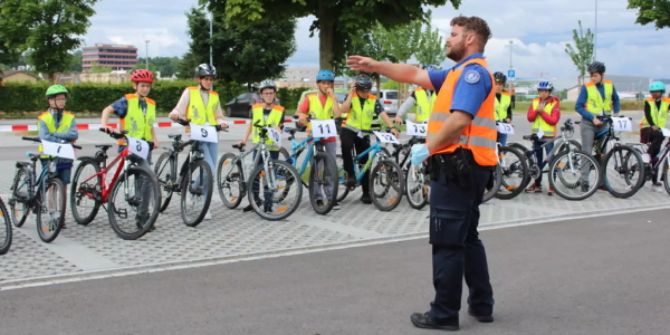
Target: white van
<point>389,99</point>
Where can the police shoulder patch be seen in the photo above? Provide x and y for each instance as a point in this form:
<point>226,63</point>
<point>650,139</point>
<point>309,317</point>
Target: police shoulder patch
<point>472,76</point>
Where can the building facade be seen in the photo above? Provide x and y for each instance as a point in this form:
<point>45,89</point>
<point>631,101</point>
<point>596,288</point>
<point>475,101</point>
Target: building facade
<point>118,57</point>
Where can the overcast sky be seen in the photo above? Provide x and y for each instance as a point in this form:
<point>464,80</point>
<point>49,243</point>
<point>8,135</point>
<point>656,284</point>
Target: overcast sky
<point>539,30</point>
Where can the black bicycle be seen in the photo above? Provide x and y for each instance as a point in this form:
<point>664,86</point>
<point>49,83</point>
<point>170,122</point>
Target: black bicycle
<point>623,169</point>
<point>43,194</point>
<point>5,229</point>
<point>194,181</point>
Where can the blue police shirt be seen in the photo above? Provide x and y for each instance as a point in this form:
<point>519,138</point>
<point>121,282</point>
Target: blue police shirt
<point>583,95</point>
<point>471,89</point>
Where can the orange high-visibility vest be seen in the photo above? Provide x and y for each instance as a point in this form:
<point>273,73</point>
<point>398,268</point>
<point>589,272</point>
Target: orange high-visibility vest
<point>481,134</point>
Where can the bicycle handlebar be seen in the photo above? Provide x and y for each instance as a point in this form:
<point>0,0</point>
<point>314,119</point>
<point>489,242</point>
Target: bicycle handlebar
<point>38,140</point>
<point>114,134</point>
<point>186,123</point>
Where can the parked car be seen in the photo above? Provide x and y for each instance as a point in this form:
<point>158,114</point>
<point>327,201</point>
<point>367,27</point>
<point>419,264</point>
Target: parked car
<point>240,105</point>
<point>389,99</point>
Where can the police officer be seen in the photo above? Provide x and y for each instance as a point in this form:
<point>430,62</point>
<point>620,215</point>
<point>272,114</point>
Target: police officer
<point>461,143</point>
<point>503,103</point>
<point>655,117</point>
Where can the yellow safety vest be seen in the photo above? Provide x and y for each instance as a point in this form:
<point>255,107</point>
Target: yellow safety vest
<point>424,104</point>
<point>502,105</point>
<point>49,121</point>
<point>595,102</point>
<point>317,111</point>
<point>659,116</point>
<point>272,120</point>
<point>197,113</point>
<point>361,119</point>
<point>547,129</point>
<point>137,123</point>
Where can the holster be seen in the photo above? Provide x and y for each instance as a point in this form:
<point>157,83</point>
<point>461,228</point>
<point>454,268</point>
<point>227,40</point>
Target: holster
<point>456,167</point>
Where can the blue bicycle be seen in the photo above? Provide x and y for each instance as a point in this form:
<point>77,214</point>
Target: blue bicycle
<point>386,176</point>
<point>317,170</point>
<point>44,195</point>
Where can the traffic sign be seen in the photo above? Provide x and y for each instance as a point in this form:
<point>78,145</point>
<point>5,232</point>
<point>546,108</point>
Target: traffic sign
<point>511,73</point>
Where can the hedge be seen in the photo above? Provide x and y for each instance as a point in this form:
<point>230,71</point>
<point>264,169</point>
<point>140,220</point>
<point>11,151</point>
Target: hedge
<point>90,97</point>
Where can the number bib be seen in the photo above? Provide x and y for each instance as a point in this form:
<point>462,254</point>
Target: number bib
<point>505,128</point>
<point>386,137</point>
<point>622,124</point>
<point>274,135</point>
<point>204,134</point>
<point>60,150</point>
<point>323,128</point>
<point>416,129</point>
<point>138,147</point>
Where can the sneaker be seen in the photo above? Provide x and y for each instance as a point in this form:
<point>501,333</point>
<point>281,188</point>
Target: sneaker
<point>481,318</point>
<point>337,207</point>
<point>534,189</point>
<point>585,186</point>
<point>351,183</point>
<point>208,216</point>
<point>424,320</point>
<point>248,208</point>
<point>550,191</point>
<point>366,199</point>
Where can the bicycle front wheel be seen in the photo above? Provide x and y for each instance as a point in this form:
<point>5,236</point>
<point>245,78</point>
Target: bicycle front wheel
<point>21,189</point>
<point>5,229</point>
<point>514,173</point>
<point>230,181</point>
<point>386,185</point>
<point>494,184</point>
<point>665,175</point>
<point>342,176</point>
<point>417,186</point>
<point>574,175</point>
<point>85,192</point>
<point>275,194</point>
<point>196,193</point>
<point>623,171</point>
<point>323,183</point>
<point>51,210</point>
<point>134,203</point>
<point>166,174</point>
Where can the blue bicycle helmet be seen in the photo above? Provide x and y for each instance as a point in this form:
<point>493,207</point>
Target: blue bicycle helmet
<point>657,86</point>
<point>325,75</point>
<point>545,86</point>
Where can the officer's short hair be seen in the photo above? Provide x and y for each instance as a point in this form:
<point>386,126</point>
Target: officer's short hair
<point>474,24</point>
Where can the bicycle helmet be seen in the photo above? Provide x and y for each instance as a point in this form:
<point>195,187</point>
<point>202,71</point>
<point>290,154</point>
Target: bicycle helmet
<point>267,84</point>
<point>363,82</point>
<point>325,75</point>
<point>142,76</point>
<point>545,86</point>
<point>205,70</point>
<point>596,67</point>
<point>500,77</point>
<point>657,86</point>
<point>56,90</point>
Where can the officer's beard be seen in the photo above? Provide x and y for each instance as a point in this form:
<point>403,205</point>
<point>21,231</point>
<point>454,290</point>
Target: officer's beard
<point>456,52</point>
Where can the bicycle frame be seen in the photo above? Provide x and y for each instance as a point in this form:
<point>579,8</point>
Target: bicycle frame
<point>39,187</point>
<point>104,168</point>
<point>372,151</point>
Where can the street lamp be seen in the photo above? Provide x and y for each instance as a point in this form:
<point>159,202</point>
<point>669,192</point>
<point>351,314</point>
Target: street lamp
<point>211,54</point>
<point>595,33</point>
<point>511,45</point>
<point>146,54</point>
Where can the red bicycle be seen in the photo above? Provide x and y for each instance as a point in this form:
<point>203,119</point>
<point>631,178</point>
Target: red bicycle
<point>133,189</point>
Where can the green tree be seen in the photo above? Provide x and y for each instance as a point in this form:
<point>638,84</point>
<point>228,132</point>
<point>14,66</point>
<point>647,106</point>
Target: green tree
<point>337,21</point>
<point>656,11</point>
<point>582,53</point>
<point>15,21</point>
<point>242,52</point>
<point>430,49</point>
<point>75,61</point>
<point>167,66</point>
<point>57,25</point>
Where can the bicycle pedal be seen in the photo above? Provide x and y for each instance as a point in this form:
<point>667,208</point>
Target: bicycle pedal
<point>122,213</point>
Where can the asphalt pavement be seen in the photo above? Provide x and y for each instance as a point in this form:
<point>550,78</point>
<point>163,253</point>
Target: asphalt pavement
<point>605,275</point>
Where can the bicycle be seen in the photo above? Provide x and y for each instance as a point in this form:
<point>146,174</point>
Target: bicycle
<point>321,181</point>
<point>512,170</point>
<point>132,188</point>
<point>43,194</point>
<point>623,171</point>
<point>5,229</point>
<point>194,182</point>
<point>660,167</point>
<point>417,178</point>
<point>560,144</point>
<point>386,177</point>
<point>277,178</point>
